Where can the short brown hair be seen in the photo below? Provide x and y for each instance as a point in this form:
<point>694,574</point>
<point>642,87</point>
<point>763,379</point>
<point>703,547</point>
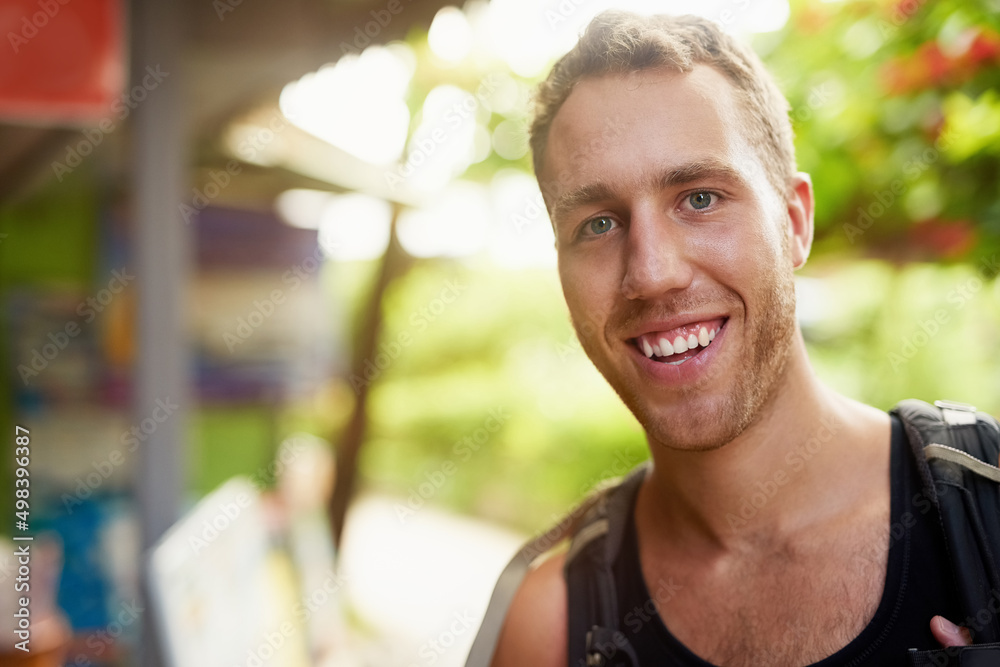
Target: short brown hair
<point>618,42</point>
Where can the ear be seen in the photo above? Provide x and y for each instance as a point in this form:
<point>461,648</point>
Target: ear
<point>800,217</point>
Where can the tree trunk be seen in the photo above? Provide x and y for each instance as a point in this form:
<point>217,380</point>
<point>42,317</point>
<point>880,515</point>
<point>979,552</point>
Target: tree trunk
<point>395,262</point>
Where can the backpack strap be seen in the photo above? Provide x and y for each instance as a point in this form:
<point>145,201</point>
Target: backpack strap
<point>594,638</point>
<point>956,449</point>
<point>574,523</point>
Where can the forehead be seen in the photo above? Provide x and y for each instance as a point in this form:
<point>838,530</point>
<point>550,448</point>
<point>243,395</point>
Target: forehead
<point>613,128</point>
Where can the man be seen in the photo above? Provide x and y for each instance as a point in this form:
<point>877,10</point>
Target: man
<point>664,153</point>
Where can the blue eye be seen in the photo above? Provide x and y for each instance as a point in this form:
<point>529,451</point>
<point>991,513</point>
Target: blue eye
<point>600,225</point>
<point>700,200</point>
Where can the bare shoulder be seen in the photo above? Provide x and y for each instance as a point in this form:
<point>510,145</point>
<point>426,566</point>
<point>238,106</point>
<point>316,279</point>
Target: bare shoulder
<point>534,632</point>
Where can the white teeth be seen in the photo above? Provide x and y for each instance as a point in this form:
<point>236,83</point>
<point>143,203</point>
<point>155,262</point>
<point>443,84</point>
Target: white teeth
<point>666,347</point>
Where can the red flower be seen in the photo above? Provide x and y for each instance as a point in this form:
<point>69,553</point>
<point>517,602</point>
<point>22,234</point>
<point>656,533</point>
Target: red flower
<point>945,239</point>
<point>985,47</point>
<point>936,66</point>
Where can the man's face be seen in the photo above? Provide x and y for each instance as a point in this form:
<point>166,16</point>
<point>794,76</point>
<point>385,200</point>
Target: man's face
<point>669,237</point>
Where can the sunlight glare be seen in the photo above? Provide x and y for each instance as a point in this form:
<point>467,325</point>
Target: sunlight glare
<point>454,225</point>
<point>450,36</point>
<point>339,104</point>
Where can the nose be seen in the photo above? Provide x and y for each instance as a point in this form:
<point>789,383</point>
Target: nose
<point>656,256</point>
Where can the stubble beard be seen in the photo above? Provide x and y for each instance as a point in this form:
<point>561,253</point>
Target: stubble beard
<point>701,422</point>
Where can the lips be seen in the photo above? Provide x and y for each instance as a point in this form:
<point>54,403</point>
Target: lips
<point>677,344</point>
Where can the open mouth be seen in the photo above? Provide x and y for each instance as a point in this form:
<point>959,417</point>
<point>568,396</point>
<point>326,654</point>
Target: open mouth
<point>681,344</point>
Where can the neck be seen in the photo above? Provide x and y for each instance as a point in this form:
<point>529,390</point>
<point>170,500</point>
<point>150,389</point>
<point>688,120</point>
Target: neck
<point>797,462</point>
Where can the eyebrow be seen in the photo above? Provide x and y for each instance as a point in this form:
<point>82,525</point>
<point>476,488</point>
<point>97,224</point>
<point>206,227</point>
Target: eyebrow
<point>660,180</point>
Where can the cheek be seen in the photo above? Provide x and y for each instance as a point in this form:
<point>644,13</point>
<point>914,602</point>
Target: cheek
<point>574,286</point>
<point>728,257</point>
<point>590,292</point>
<point>745,250</point>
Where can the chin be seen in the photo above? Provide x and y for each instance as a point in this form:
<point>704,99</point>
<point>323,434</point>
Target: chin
<point>699,424</point>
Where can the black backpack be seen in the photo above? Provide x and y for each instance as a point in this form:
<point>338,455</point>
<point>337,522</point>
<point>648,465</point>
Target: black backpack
<point>956,450</point>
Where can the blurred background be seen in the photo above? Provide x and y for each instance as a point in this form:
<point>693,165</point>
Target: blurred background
<point>282,334</point>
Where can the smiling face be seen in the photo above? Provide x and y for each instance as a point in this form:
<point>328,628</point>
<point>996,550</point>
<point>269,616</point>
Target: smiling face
<point>674,250</point>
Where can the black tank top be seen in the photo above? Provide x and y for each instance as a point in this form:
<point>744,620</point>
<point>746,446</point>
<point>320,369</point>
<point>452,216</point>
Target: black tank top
<point>916,588</point>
